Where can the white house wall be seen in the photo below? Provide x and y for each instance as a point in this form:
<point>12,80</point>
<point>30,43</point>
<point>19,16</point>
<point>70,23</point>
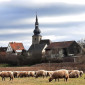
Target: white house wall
<point>9,49</point>
<point>43,51</point>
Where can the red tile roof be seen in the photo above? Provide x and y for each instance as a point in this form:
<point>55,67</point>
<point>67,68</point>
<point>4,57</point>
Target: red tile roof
<point>16,46</point>
<point>64,44</point>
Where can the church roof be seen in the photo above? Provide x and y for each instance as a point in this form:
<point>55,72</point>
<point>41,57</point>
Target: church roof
<point>36,48</point>
<point>37,31</point>
<point>45,41</point>
<point>64,44</point>
<point>16,46</point>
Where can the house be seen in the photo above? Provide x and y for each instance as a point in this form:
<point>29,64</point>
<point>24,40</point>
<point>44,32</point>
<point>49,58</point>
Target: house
<point>3,51</point>
<point>63,49</point>
<point>15,48</point>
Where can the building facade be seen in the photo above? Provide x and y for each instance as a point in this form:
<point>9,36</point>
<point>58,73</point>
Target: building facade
<point>15,48</point>
<point>63,49</point>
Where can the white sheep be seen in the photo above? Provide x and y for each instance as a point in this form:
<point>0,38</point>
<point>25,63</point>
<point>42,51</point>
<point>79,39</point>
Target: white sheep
<point>40,73</point>
<point>59,74</point>
<point>4,74</point>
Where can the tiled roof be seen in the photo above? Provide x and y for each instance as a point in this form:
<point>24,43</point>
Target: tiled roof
<point>16,46</point>
<point>45,41</point>
<point>64,44</point>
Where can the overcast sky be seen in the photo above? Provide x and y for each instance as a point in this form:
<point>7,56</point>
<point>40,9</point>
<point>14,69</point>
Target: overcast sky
<point>59,20</point>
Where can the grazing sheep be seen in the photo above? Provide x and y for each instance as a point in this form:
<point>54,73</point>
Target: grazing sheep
<point>22,74</point>
<point>59,74</point>
<point>15,74</point>
<point>49,73</point>
<point>4,74</point>
<point>74,74</point>
<point>32,73</point>
<point>28,73</point>
<point>41,73</point>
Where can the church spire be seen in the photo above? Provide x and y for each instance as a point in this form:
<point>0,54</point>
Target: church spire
<point>36,30</point>
<point>36,23</point>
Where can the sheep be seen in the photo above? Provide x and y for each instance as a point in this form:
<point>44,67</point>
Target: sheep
<point>49,73</point>
<point>59,74</point>
<point>15,74</point>
<point>74,74</point>
<point>40,73</point>
<point>4,74</point>
<point>32,73</point>
<point>28,73</point>
<point>22,74</point>
<point>69,71</point>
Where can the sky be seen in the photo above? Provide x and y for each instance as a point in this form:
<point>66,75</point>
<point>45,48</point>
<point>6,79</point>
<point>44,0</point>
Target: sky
<point>59,20</point>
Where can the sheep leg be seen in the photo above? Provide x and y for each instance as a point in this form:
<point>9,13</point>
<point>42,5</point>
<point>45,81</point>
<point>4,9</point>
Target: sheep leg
<point>58,79</point>
<point>43,76</point>
<point>66,79</point>
<point>55,80</point>
<point>2,78</point>
<point>77,76</point>
<point>10,79</point>
<point>36,76</point>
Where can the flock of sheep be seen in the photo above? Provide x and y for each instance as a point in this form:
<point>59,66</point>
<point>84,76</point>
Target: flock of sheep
<point>57,74</point>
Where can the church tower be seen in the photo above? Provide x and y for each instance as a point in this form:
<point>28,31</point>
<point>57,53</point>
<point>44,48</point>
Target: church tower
<point>36,37</point>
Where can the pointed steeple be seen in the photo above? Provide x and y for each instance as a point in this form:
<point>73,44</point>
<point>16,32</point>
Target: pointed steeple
<point>36,23</point>
<point>36,30</point>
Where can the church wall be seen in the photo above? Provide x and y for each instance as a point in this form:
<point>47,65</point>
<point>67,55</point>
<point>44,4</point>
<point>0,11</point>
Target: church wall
<point>36,39</point>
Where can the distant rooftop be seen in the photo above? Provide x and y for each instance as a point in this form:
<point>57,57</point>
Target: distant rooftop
<point>63,44</point>
<point>16,46</point>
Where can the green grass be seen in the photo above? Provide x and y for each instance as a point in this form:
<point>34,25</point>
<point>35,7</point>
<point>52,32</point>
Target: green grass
<point>4,65</point>
<point>41,81</point>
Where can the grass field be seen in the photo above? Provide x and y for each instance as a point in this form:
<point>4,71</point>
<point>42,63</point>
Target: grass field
<point>41,81</point>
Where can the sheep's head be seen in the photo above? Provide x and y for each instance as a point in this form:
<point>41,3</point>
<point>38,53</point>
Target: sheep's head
<point>81,73</point>
<point>36,76</point>
<point>50,79</point>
